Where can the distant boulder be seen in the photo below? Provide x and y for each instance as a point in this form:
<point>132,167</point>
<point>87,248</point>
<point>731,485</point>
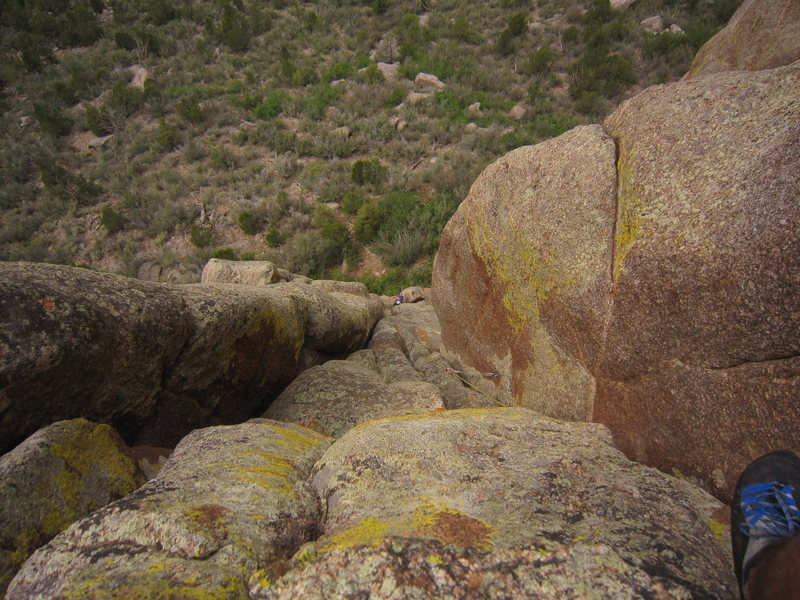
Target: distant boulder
<point>428,81</point>
<point>653,24</point>
<point>245,272</point>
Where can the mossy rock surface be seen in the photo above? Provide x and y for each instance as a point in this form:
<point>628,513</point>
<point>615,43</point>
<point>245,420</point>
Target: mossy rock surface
<point>229,501</point>
<point>55,477</point>
<point>371,384</point>
<point>499,503</point>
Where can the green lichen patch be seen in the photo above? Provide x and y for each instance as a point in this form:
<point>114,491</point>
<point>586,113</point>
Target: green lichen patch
<point>629,215</point>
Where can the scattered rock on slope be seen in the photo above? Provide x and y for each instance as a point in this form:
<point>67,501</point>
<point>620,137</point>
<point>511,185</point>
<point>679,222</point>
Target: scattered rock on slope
<point>230,501</point>
<point>56,476</point>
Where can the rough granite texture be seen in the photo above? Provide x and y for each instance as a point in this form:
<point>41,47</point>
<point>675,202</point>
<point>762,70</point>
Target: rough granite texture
<point>762,34</point>
<point>56,476</point>
<point>249,272</point>
<point>229,502</point>
<point>158,360</point>
<point>647,281</point>
<point>523,270</point>
<point>370,384</point>
<point>499,503</point>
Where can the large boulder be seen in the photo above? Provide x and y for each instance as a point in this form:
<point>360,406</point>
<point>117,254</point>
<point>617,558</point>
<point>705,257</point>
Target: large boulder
<point>654,292</point>
<point>501,503</point>
<point>762,34</point>
<point>156,360</point>
<point>371,384</point>
<point>58,475</point>
<point>524,264</point>
<point>231,502</point>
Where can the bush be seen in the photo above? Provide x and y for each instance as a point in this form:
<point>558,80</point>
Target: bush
<point>201,236</point>
<point>311,254</point>
<point>224,254</point>
<point>248,222</point>
<point>167,136</point>
<point>189,109</point>
<point>330,228</point>
<point>401,249</point>
<point>52,120</point>
<point>368,221</point>
<point>352,201</point>
<point>64,184</point>
<point>111,220</point>
<point>275,237</point>
<point>369,172</point>
<point>100,121</point>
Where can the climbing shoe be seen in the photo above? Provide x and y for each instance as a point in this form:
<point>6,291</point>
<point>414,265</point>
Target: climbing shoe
<point>764,509</point>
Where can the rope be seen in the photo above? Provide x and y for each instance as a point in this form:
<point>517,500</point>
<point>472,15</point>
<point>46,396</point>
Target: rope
<point>490,374</point>
<point>470,385</point>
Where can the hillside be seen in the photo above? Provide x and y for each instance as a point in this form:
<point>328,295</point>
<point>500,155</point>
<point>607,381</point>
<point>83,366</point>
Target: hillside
<point>144,137</point>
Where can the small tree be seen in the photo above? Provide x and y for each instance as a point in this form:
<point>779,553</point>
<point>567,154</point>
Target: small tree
<point>201,236</point>
<point>111,220</point>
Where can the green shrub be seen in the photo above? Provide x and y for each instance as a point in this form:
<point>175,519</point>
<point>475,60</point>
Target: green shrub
<point>271,106</point>
<point>100,121</point>
<point>352,201</point>
<point>518,24</point>
<point>275,237</point>
<point>400,249</point>
<point>539,62</point>
<point>222,159</point>
<point>341,70</point>
<point>320,97</point>
<point>330,228</point>
<point>189,109</point>
<point>311,254</point>
<point>168,138</point>
<point>51,119</point>
<point>64,184</point>
<point>368,221</point>
<point>201,236</point>
<point>111,220</point>
<point>369,172</point>
<point>249,223</point>
<point>224,254</point>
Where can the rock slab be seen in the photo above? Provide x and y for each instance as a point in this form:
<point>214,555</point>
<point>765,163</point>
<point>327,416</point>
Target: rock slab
<point>55,477</point>
<point>230,502</point>
<point>500,503</point>
<point>157,360</point>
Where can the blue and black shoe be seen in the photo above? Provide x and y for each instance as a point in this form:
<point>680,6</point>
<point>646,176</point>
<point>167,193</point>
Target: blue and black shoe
<point>764,509</point>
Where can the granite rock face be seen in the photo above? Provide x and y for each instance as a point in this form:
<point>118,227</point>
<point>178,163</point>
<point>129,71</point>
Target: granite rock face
<point>762,34</point>
<point>499,503</point>
<point>230,501</point>
<point>524,264</point>
<point>644,274</point>
<point>334,397</point>
<point>157,360</point>
<point>56,476</point>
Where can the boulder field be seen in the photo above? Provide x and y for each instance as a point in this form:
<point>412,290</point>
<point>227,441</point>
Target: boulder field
<point>489,502</point>
<point>644,273</point>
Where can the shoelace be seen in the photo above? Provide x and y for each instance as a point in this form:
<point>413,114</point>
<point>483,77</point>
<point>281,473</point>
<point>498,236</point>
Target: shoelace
<point>769,510</point>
